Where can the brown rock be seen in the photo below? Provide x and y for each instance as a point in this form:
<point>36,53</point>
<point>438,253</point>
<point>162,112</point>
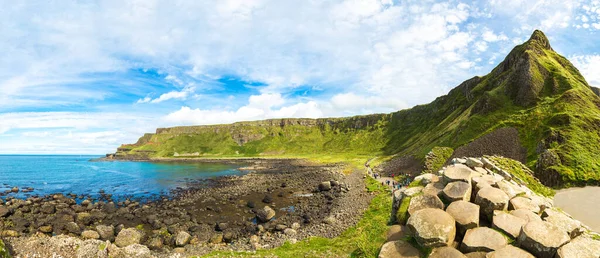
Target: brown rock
<point>458,172</point>
<point>457,191</point>
<point>446,252</point>
<point>510,251</point>
<point>490,199</point>
<point>399,249</point>
<point>423,201</point>
<point>396,232</point>
<point>465,214</point>
<point>541,238</point>
<point>482,239</point>
<point>432,227</point>
<point>508,224</point>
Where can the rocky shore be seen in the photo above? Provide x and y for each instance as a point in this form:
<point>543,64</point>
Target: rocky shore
<point>474,208</point>
<point>278,201</point>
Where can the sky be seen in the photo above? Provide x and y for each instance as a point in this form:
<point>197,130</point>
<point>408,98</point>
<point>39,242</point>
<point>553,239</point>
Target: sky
<point>82,77</point>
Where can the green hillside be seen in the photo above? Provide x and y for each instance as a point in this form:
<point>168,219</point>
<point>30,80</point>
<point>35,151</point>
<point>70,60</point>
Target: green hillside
<point>535,90</point>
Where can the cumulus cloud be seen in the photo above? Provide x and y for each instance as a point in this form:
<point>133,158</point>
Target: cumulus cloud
<point>182,95</point>
<point>588,65</point>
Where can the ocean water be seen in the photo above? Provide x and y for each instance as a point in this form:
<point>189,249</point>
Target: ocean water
<point>122,179</point>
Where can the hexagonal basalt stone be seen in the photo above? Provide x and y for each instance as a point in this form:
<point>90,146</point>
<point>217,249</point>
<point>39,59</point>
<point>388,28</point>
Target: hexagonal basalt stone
<point>399,249</point>
<point>507,223</point>
<point>423,201</point>
<point>446,252</point>
<point>510,251</point>
<point>465,214</point>
<point>458,172</point>
<point>525,214</point>
<point>482,239</point>
<point>457,191</point>
<point>541,238</point>
<point>490,199</point>
<point>432,227</point>
<point>520,202</point>
<point>581,246</point>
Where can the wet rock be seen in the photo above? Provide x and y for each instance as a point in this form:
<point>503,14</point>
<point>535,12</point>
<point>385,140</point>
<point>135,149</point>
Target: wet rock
<point>399,249</point>
<point>432,227</point>
<point>457,191</point>
<point>581,246</point>
<point>446,252</point>
<point>508,224</point>
<point>182,238</point>
<point>48,208</point>
<point>15,189</point>
<point>482,239</point>
<point>465,214</point>
<point>423,201</point>
<point>490,199</point>
<point>265,214</point>
<point>325,186</point>
<point>541,238</point>
<point>457,172</point>
<point>90,234</point>
<point>510,251</point>
<point>250,204</point>
<point>128,236</point>
<point>106,232</point>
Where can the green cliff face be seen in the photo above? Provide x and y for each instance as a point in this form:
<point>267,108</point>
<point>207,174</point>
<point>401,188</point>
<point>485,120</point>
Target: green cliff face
<point>534,90</point>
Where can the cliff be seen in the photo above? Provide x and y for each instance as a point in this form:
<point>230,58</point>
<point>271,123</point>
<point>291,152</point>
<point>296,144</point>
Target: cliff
<point>534,90</point>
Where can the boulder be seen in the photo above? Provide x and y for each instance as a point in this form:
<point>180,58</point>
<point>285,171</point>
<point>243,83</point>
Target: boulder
<point>458,172</point>
<point>325,186</point>
<point>510,251</point>
<point>4,211</point>
<point>128,236</point>
<point>490,199</point>
<point>457,191</point>
<point>465,214</point>
<point>541,238</point>
<point>476,254</point>
<point>182,238</point>
<point>289,232</point>
<point>90,234</point>
<point>508,224</point>
<point>473,162</point>
<point>396,232</point>
<point>427,178</point>
<point>487,163</point>
<point>216,238</point>
<point>413,191</point>
<point>520,202</point>
<point>46,229</point>
<point>434,188</point>
<point>399,249</point>
<point>73,228</point>
<point>84,218</point>
<point>48,208</point>
<point>135,250</point>
<point>562,221</point>
<point>423,201</point>
<point>106,232</point>
<point>509,189</point>
<point>446,252</point>
<point>432,227</point>
<point>482,239</point>
<point>581,246</point>
<point>265,214</point>
<point>526,214</point>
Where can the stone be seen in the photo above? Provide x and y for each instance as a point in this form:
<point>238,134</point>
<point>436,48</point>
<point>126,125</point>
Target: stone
<point>182,238</point>
<point>396,232</point>
<point>473,162</point>
<point>434,188</point>
<point>10,233</point>
<point>280,227</point>
<point>446,252</point>
<point>541,238</point>
<point>427,178</point>
<point>106,232</point>
<point>509,224</point>
<point>289,232</point>
<point>92,249</point>
<point>490,199</point>
<point>4,211</point>
<point>265,214</point>
<point>432,227</point>
<point>72,228</point>
<point>521,202</point>
<point>84,218</point>
<point>216,238</point>
<point>509,189</point>
<point>458,172</point>
<point>423,201</point>
<point>482,239</point>
<point>526,214</point>
<point>325,186</point>
<point>155,243</point>
<point>48,208</point>
<point>399,249</point>
<point>510,251</point>
<point>138,251</point>
<point>412,191</point>
<point>295,225</point>
<point>90,234</point>
<point>487,163</point>
<point>465,214</point>
<point>222,226</point>
<point>476,254</point>
<point>46,229</point>
<point>457,191</point>
<point>128,236</point>
<point>562,221</point>
<point>581,246</point>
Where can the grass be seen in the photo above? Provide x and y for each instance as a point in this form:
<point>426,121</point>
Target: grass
<point>518,170</point>
<point>363,240</point>
<point>436,159</point>
<point>3,251</point>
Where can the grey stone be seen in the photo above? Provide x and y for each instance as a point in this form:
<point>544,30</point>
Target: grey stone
<point>427,178</point>
<point>520,202</point>
<point>473,162</point>
<point>434,188</point>
<point>423,201</point>
<point>457,191</point>
<point>106,232</point>
<point>325,186</point>
<point>562,221</point>
<point>507,223</point>
<point>182,238</point>
<point>458,172</point>
<point>90,234</point>
<point>128,236</point>
<point>432,227</point>
<point>581,246</point>
<point>490,199</point>
<point>541,238</point>
<point>446,252</point>
<point>510,251</point>
<point>399,249</point>
<point>396,232</point>
<point>482,239</point>
<point>265,214</point>
<point>526,214</point>
<point>465,214</point>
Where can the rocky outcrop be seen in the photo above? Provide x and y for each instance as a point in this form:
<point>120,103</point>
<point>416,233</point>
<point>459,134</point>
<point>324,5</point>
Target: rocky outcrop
<point>503,211</point>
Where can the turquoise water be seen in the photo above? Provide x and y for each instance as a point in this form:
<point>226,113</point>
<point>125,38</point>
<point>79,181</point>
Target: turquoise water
<point>79,175</point>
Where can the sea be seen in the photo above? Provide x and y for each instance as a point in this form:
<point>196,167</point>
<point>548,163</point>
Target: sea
<point>84,175</point>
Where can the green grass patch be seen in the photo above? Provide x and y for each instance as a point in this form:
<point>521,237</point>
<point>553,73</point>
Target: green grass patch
<point>363,240</point>
<point>3,251</point>
<point>519,170</point>
<point>436,159</point>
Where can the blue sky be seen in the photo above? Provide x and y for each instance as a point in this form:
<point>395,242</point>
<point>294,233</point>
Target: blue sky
<point>82,77</point>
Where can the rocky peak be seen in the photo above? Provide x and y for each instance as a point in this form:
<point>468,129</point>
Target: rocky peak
<point>539,39</point>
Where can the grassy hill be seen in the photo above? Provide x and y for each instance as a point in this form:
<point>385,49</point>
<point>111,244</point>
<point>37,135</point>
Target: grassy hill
<point>535,90</point>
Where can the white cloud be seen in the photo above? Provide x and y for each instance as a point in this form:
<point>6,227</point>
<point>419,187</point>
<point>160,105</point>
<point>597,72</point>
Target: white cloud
<point>588,65</point>
<point>182,95</point>
<point>489,36</point>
